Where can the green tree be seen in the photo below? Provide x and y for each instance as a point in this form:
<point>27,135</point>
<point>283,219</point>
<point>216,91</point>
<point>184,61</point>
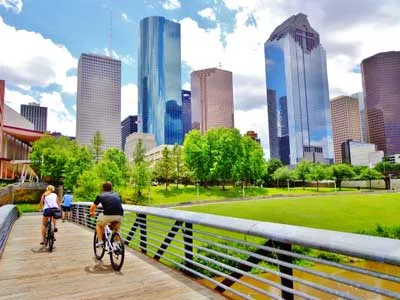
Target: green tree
<point>80,161</point>
<point>88,186</point>
<point>370,174</point>
<point>178,163</point>
<point>272,165</point>
<point>97,144</point>
<point>341,172</point>
<point>253,166</point>
<point>317,173</point>
<point>165,166</point>
<point>139,153</point>
<point>303,170</point>
<point>141,174</point>
<point>117,156</point>
<point>108,170</point>
<point>195,156</point>
<point>283,174</point>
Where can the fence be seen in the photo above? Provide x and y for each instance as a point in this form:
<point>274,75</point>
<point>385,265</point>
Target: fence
<point>246,259</point>
<point>8,215</point>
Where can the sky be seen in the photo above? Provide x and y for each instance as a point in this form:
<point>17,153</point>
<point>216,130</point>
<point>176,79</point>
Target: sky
<point>41,41</point>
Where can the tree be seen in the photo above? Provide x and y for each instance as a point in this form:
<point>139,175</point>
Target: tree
<point>370,174</point>
<point>139,153</point>
<point>97,144</point>
<point>177,160</point>
<point>165,166</point>
<point>117,156</point>
<point>283,174</point>
<point>195,150</point>
<point>141,174</point>
<point>253,166</point>
<point>88,186</point>
<point>303,170</point>
<point>341,172</point>
<point>79,162</point>
<point>272,165</point>
<point>318,173</point>
<point>108,170</point>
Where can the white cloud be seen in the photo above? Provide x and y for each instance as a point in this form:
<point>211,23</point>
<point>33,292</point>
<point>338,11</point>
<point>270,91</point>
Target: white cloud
<point>126,59</point>
<point>171,4</point>
<point>29,59</point>
<point>14,5</point>
<point>207,13</point>
<point>129,100</point>
<point>125,17</point>
<point>186,86</point>
<point>14,99</point>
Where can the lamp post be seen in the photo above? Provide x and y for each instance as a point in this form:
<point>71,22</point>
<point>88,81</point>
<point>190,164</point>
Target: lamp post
<point>334,183</point>
<point>288,184</point>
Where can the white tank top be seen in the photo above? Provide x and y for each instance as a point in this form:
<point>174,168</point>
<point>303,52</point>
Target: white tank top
<point>50,201</point>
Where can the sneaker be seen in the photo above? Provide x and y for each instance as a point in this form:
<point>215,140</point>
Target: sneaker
<point>41,243</point>
<point>99,244</point>
<point>55,229</point>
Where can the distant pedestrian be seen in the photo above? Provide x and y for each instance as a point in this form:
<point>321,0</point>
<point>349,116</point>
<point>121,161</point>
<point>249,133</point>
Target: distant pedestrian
<point>66,206</point>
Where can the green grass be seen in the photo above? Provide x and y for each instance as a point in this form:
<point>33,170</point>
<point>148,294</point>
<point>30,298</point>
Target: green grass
<point>159,195</point>
<point>27,207</point>
<point>350,213</point>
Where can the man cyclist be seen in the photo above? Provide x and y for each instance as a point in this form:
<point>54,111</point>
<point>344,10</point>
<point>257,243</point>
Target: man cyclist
<point>112,210</point>
<point>66,206</point>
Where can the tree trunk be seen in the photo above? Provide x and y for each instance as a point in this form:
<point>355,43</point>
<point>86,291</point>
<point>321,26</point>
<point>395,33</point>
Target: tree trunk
<point>304,184</point>
<point>317,186</point>
<point>339,184</point>
<point>370,185</point>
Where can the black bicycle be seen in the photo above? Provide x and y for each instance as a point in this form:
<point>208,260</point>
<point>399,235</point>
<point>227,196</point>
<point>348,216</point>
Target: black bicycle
<point>113,244</point>
<point>49,238</point>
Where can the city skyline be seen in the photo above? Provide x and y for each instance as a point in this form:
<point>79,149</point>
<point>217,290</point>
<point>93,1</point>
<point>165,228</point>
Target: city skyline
<point>363,30</point>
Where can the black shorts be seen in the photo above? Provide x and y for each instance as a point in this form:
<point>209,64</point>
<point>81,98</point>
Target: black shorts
<point>66,208</point>
<point>49,212</point>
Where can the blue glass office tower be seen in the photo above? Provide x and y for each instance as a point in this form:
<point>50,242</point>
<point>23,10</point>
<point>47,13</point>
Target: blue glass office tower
<point>186,111</point>
<point>297,93</point>
<point>159,80</point>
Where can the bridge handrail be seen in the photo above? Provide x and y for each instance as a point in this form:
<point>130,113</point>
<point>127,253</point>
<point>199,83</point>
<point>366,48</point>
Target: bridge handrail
<point>276,250</point>
<point>8,215</point>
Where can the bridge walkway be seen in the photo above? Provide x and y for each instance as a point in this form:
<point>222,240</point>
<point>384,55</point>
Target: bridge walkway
<point>27,271</point>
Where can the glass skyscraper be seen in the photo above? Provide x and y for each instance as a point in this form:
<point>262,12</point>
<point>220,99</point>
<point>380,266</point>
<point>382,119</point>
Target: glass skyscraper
<point>297,93</point>
<point>159,80</point>
<point>186,111</point>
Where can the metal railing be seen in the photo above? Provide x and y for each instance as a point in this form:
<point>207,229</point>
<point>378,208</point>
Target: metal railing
<point>248,259</point>
<point>8,215</point>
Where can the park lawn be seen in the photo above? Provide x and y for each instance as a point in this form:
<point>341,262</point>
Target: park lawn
<point>350,213</point>
<point>159,195</point>
<point>27,207</point>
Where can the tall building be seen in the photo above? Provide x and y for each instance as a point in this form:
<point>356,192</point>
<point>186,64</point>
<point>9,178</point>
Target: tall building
<point>132,140</point>
<point>2,92</point>
<point>186,111</point>
<point>297,92</point>
<point>345,123</point>
<point>363,116</point>
<point>159,80</point>
<point>381,77</point>
<point>128,126</point>
<point>360,154</point>
<point>36,114</point>
<point>212,99</point>
<point>98,105</point>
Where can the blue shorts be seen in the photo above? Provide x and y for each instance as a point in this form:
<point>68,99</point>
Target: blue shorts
<point>49,212</point>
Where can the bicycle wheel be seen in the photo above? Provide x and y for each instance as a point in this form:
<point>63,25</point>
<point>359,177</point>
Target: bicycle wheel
<point>98,251</point>
<point>117,255</point>
<point>49,237</point>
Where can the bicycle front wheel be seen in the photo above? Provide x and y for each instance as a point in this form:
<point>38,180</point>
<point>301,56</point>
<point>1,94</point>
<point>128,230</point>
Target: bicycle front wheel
<point>98,251</point>
<point>117,254</point>
<point>50,237</point>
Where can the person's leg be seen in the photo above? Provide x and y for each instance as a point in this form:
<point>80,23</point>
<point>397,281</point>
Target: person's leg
<point>69,214</point>
<point>64,212</point>
<point>44,224</point>
<point>100,224</point>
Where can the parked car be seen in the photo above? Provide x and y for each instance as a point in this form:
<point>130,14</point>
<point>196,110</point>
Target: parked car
<point>154,183</point>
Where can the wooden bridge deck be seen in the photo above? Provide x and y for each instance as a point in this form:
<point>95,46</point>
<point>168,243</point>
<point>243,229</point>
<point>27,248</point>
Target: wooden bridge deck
<point>27,271</point>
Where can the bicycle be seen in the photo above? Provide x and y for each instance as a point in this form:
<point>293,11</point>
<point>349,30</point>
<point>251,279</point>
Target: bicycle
<point>49,238</point>
<point>113,244</point>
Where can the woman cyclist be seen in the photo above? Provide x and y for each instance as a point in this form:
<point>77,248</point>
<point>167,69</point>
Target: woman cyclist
<point>50,202</point>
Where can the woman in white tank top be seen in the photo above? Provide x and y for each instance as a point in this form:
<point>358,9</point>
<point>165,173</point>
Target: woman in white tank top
<point>49,201</point>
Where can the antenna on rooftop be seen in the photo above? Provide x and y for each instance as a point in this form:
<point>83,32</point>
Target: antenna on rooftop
<point>220,65</point>
<point>110,37</point>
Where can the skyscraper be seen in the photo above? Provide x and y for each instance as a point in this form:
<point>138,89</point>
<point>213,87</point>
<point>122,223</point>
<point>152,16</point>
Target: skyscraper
<point>212,99</point>
<point>345,123</point>
<point>159,80</point>
<point>296,73</point>
<point>128,125</point>
<point>363,116</point>
<point>2,92</point>
<point>381,78</point>
<point>186,111</point>
<point>98,104</point>
<point>36,114</point>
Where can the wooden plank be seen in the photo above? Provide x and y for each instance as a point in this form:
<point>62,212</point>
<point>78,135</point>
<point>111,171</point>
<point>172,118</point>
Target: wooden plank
<point>27,271</point>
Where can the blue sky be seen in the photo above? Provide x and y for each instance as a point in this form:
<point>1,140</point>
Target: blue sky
<point>42,40</point>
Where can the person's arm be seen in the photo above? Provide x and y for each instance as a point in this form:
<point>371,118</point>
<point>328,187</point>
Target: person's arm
<point>41,202</point>
<point>93,206</point>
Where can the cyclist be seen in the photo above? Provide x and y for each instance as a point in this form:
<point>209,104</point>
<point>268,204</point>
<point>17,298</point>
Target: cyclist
<point>66,206</point>
<point>112,210</point>
<point>50,202</point>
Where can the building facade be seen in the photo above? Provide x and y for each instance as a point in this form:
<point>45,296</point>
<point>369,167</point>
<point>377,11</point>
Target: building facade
<point>360,154</point>
<point>159,80</point>
<point>155,154</point>
<point>36,114</point>
<point>297,92</point>
<point>186,111</point>
<point>212,99</point>
<point>2,93</point>
<point>381,77</point>
<point>98,104</point>
<point>128,126</point>
<point>345,123</point>
<point>394,158</point>
<point>363,116</point>
<point>133,139</point>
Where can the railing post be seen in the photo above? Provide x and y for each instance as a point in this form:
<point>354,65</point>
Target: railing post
<point>143,231</point>
<point>188,239</point>
<point>285,270</point>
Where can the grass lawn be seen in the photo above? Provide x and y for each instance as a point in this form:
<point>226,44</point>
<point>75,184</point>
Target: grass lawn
<point>27,207</point>
<point>351,213</point>
<point>159,195</point>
